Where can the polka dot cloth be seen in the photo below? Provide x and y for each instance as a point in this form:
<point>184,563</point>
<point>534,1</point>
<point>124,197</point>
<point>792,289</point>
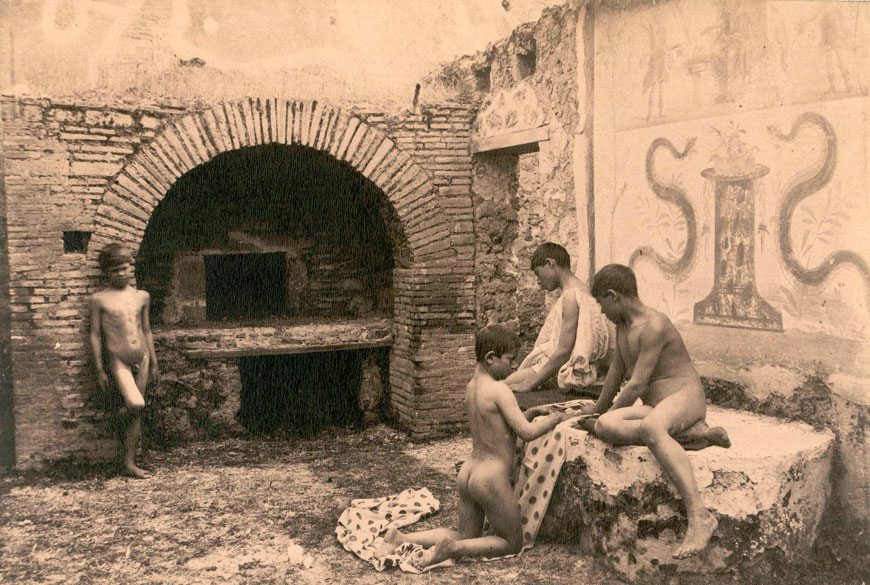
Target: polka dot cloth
<point>537,468</point>
<point>360,526</point>
<point>541,463</point>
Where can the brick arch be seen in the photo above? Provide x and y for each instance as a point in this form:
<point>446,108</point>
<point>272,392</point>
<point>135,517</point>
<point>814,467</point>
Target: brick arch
<point>194,139</point>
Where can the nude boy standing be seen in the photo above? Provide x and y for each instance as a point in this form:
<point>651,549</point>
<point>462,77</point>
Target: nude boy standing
<point>119,323</point>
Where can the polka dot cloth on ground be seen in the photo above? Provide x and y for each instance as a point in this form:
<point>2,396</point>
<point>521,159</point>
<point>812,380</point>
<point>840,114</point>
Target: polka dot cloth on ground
<point>360,526</point>
<point>536,471</point>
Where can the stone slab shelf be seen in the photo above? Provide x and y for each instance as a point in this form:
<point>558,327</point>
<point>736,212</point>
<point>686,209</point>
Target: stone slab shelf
<point>768,492</point>
<point>276,338</point>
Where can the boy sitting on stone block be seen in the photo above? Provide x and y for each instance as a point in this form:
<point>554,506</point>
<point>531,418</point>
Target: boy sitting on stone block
<point>573,344</point>
<point>119,323</point>
<point>484,480</point>
<point>652,356</point>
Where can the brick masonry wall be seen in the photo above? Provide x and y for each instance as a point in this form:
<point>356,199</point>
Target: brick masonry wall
<point>523,200</point>
<point>103,170</point>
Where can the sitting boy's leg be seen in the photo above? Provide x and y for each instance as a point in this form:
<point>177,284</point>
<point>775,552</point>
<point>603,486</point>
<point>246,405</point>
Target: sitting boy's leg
<point>622,425</point>
<point>669,418</point>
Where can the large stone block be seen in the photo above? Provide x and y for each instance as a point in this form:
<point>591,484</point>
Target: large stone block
<point>768,492</point>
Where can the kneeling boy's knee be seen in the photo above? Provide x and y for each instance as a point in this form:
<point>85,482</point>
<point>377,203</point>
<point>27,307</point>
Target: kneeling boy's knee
<point>136,406</point>
<point>515,543</point>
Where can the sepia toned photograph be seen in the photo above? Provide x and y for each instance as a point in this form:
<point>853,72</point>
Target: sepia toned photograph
<point>315,292</point>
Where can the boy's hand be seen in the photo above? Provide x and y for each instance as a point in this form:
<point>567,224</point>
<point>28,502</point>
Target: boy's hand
<point>154,375</point>
<point>536,411</point>
<point>587,408</point>
<point>103,380</point>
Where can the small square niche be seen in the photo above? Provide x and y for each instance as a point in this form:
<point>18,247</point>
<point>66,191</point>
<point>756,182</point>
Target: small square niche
<point>76,242</point>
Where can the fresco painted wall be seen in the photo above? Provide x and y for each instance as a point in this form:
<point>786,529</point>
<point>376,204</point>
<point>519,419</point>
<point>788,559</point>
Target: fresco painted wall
<point>731,161</point>
<point>731,153</point>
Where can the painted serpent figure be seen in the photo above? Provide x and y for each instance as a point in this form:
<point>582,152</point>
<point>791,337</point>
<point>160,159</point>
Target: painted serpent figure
<point>679,269</point>
<point>799,188</point>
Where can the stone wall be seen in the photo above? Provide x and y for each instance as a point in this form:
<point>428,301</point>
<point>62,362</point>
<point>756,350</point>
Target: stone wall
<point>528,195</point>
<point>102,170</point>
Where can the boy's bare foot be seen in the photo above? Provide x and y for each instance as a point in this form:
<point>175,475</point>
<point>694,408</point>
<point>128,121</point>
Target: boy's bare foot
<point>135,472</point>
<point>435,554</point>
<point>700,436</point>
<point>384,548</point>
<point>697,536</point>
<point>718,437</point>
<point>393,536</point>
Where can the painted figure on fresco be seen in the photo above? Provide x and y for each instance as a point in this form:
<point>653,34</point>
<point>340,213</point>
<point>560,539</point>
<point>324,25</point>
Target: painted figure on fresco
<point>119,324</point>
<point>657,68</point>
<point>651,355</point>
<point>574,343</point>
<point>734,300</point>
<point>484,481</point>
<point>836,44</point>
<point>728,52</point>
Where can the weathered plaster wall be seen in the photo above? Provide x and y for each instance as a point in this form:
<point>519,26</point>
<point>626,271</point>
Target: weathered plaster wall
<point>730,172</point>
<point>523,198</point>
<point>114,50</point>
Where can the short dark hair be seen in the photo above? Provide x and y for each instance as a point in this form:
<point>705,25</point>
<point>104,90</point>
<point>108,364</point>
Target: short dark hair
<point>550,250</point>
<point>614,277</point>
<point>496,338</point>
<point>113,255</point>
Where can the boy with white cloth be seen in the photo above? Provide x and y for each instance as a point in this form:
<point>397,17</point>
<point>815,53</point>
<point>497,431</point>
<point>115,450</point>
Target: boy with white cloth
<point>574,341</point>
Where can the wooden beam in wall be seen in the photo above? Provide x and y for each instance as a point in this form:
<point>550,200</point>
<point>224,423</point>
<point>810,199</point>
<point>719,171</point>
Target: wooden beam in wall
<point>520,139</point>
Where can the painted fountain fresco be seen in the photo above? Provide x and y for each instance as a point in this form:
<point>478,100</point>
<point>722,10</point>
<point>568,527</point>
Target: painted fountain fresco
<point>733,176</point>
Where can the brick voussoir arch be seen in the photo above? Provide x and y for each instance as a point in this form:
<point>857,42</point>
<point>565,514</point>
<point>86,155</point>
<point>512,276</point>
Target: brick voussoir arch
<point>194,139</point>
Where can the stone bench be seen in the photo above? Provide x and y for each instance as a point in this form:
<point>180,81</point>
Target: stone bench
<point>768,492</point>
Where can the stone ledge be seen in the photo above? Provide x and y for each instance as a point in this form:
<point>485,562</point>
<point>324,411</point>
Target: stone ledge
<point>768,491</point>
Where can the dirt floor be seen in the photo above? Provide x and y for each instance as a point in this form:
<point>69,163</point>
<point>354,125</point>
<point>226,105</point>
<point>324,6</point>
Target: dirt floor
<point>254,511</point>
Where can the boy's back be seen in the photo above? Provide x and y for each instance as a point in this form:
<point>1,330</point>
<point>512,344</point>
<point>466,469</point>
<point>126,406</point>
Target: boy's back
<point>491,435</point>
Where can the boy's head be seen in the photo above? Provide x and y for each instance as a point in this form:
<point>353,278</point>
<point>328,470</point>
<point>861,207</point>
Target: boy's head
<point>547,261</point>
<point>612,285</point>
<point>114,261</point>
<point>495,348</point>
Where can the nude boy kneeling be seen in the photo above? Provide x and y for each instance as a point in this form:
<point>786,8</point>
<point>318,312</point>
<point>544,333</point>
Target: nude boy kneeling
<point>119,323</point>
<point>484,481</point>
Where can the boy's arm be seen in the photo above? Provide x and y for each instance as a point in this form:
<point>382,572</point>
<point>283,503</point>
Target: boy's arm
<point>536,411</point>
<point>650,344</point>
<point>96,338</point>
<point>516,420</point>
<point>154,370</point>
<point>612,382</point>
<point>567,337</point>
